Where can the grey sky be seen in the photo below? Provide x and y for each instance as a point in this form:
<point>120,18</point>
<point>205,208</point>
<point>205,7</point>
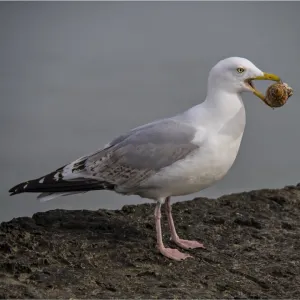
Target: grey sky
<point>75,75</point>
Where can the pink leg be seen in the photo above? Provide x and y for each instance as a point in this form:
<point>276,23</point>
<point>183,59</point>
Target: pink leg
<point>168,252</point>
<point>185,244</point>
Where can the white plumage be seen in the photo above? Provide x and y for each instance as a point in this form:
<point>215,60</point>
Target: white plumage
<point>175,156</point>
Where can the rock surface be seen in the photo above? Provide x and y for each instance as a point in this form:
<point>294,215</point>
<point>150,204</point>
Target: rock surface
<point>252,250</point>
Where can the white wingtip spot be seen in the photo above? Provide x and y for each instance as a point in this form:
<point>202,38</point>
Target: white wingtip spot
<point>56,176</point>
<point>25,186</point>
<point>41,180</point>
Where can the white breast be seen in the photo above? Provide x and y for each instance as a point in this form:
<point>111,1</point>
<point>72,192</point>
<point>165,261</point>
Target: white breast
<point>198,171</point>
<point>217,152</point>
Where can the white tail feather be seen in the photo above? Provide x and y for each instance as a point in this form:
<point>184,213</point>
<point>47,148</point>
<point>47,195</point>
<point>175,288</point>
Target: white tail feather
<point>49,196</point>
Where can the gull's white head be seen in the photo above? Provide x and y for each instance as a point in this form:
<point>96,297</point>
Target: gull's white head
<point>235,75</point>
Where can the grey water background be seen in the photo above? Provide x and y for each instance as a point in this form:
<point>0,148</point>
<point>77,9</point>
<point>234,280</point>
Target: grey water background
<point>75,75</point>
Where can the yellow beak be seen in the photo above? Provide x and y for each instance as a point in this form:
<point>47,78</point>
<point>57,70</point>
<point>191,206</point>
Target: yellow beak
<point>265,76</point>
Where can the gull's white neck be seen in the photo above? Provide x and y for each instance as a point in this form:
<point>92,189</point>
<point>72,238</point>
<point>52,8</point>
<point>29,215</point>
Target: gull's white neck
<point>219,106</point>
<point>222,103</point>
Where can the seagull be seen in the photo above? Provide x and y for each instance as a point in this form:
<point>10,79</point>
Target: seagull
<point>174,156</point>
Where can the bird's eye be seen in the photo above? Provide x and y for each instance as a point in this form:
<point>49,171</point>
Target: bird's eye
<point>240,70</point>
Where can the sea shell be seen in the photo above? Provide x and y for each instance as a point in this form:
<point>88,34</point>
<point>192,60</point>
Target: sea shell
<point>277,94</point>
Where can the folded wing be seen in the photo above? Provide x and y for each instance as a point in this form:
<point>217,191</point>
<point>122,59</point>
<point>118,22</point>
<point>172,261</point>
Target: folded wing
<point>126,162</point>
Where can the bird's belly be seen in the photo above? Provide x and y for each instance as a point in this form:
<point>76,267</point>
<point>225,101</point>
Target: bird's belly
<point>196,172</point>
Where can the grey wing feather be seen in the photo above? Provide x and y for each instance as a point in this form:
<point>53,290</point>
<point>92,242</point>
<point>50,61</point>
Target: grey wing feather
<point>133,157</point>
<point>122,165</point>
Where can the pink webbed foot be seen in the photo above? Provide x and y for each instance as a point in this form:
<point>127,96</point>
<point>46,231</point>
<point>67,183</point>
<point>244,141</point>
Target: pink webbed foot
<point>174,254</point>
<point>186,244</point>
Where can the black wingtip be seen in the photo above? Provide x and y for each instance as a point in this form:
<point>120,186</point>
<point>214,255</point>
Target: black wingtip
<point>13,192</point>
<point>18,189</point>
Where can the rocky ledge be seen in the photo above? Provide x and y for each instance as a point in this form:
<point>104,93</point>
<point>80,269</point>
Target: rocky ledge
<point>252,250</point>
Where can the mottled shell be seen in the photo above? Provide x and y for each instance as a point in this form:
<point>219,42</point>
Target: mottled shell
<point>277,94</point>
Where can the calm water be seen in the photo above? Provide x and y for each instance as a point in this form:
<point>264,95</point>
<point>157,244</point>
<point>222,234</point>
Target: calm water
<point>75,75</point>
